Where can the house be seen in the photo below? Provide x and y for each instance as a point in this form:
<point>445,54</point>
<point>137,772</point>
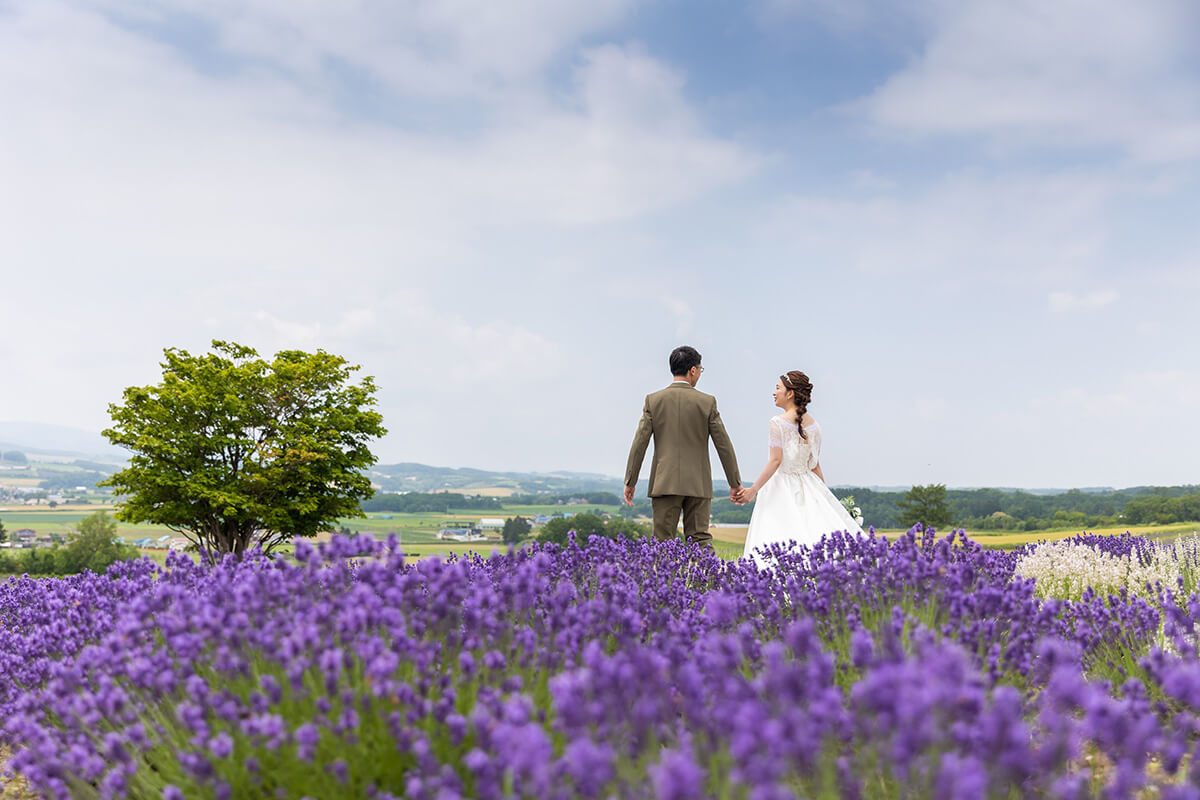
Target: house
<point>461,535</point>
<point>24,535</point>
<point>178,544</point>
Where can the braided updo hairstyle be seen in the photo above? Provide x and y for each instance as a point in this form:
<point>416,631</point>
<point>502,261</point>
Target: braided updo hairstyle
<point>801,388</point>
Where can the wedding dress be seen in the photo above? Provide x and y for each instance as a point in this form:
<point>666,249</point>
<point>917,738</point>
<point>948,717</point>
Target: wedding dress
<point>794,506</point>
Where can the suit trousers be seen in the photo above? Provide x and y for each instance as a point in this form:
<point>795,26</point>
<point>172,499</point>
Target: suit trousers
<point>695,511</point>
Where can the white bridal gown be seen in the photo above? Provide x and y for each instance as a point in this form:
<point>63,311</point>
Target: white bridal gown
<point>794,505</point>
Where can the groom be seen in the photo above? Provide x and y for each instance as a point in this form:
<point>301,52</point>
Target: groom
<point>681,420</point>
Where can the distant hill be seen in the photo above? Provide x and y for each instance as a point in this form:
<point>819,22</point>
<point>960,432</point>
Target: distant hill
<point>409,477</point>
<point>39,438</point>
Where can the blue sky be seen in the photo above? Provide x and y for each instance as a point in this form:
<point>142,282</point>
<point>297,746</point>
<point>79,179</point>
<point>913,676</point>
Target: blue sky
<point>971,223</point>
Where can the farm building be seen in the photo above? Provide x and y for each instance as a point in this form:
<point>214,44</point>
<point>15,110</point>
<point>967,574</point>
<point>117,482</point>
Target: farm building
<point>491,524</point>
<point>460,535</point>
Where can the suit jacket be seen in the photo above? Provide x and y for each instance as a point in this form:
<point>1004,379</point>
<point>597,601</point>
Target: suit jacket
<point>680,419</point>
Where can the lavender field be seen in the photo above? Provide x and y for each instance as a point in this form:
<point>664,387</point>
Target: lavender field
<point>917,668</point>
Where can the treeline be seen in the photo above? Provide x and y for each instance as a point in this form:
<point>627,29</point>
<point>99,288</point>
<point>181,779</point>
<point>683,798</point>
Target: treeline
<point>61,481</point>
<point>997,509</point>
<point>94,548</point>
<point>586,526</point>
<point>590,498</point>
<point>976,509</point>
<point>435,503</point>
<point>446,502</point>
<point>1162,509</point>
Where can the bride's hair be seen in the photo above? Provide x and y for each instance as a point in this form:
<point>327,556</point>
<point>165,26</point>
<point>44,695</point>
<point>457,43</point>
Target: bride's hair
<point>801,388</point>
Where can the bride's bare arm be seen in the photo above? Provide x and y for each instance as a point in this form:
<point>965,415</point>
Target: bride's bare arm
<point>817,471</point>
<point>774,459</point>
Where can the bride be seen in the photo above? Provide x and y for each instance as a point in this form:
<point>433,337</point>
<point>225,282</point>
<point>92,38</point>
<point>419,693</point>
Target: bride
<point>794,505</point>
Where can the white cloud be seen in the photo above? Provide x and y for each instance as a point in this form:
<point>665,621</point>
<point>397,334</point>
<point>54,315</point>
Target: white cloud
<point>1138,398</point>
<point>1025,226</point>
<point>1068,302</point>
<point>1182,275</point>
<point>434,47</point>
<point>158,205</point>
<point>112,131</point>
<point>1069,73</point>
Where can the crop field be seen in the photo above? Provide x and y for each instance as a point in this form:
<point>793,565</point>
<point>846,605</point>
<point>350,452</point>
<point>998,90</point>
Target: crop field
<point>417,532</point>
<point>908,667</point>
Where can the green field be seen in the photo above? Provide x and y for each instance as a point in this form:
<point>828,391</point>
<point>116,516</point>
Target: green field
<point>418,532</point>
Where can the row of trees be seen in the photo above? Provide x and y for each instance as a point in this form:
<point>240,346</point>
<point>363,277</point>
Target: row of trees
<point>1162,509</point>
<point>93,548</point>
<point>998,509</point>
<point>590,498</point>
<point>431,503</point>
<point>995,509</point>
<point>586,526</point>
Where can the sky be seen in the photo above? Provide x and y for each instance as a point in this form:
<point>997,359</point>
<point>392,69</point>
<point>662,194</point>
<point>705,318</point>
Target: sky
<point>972,223</point>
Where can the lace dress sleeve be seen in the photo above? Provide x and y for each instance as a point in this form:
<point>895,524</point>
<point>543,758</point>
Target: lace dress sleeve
<point>814,441</point>
<point>775,435</point>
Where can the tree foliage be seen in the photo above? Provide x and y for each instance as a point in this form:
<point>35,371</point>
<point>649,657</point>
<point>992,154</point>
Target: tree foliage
<point>593,498</point>
<point>926,505</point>
<point>236,451</point>
<point>93,548</point>
<point>586,526</point>
<point>3,533</point>
<point>429,503</point>
<point>516,529</point>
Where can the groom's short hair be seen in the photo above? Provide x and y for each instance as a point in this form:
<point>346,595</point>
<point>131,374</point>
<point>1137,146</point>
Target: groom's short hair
<point>683,359</point>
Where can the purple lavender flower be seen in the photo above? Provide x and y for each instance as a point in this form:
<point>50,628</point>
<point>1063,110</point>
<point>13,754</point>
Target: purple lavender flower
<point>677,777</point>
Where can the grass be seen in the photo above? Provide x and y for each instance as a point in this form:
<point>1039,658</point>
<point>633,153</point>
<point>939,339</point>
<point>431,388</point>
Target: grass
<point>418,532</point>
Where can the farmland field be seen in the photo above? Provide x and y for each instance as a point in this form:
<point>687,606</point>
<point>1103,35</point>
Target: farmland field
<point>875,668</point>
<point>417,532</point>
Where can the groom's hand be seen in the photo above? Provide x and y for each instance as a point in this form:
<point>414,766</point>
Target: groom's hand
<point>629,495</point>
<point>735,495</point>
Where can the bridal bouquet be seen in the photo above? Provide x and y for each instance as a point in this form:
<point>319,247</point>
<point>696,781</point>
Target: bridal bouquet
<point>852,509</point>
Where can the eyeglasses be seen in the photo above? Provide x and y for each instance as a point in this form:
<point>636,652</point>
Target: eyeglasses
<point>700,368</point>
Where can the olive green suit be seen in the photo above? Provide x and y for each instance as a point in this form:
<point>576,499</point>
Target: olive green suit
<point>680,419</point>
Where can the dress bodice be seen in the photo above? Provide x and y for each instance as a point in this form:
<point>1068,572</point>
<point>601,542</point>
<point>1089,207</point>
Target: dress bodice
<point>799,455</point>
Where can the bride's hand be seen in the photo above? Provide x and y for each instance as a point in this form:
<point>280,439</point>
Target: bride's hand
<point>748,494</point>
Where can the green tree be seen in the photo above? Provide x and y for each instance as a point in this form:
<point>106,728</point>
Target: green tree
<point>516,529</point>
<point>94,547</point>
<point>588,525</point>
<point>584,525</point>
<point>3,533</point>
<point>618,526</point>
<point>235,451</point>
<point>926,505</point>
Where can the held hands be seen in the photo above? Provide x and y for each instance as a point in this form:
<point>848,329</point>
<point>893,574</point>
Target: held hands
<point>737,495</point>
<point>629,495</point>
<point>747,495</point>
